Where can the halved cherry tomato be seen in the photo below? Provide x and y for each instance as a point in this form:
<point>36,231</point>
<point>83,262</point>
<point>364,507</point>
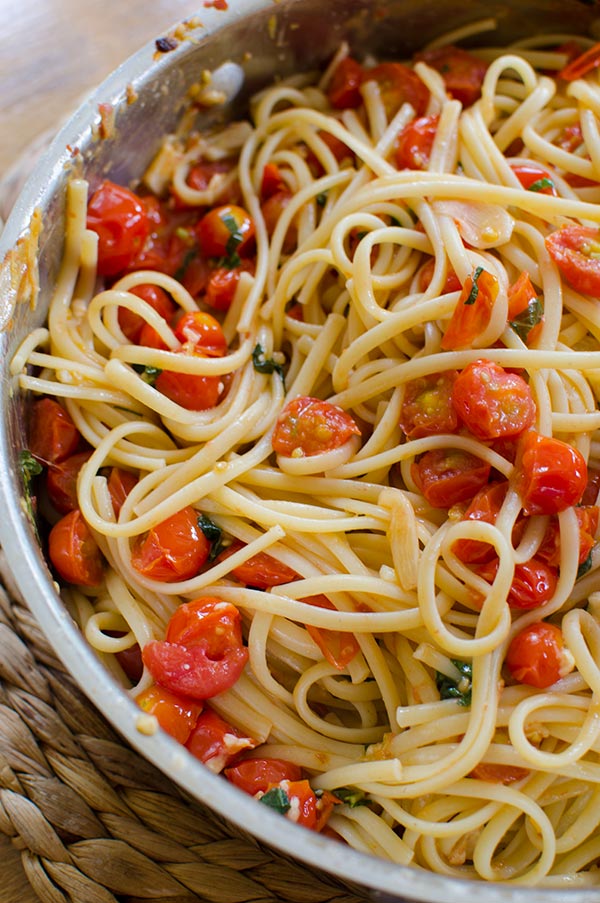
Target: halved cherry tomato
<point>271,210</point>
<point>225,231</point>
<point>120,219</point>
<point>338,646</point>
<point>175,714</point>
<point>202,654</point>
<point>216,742</point>
<point>414,143</point>
<point>520,294</point>
<point>397,85</point>
<point>472,312</point>
<point>581,65</point>
<point>120,483</point>
<point>534,582</point>
<point>203,332</point>
<point>222,286</point>
<point>52,434</point>
<point>447,477</point>
<point>496,773</point>
<point>131,323</point>
<point>462,72</point>
<point>452,283</point>
<point>536,655</point>
<point>262,571</point>
<point>534,178</point>
<point>427,408</point>
<point>587,518</point>
<point>303,803</point>
<point>61,481</point>
<point>74,552</point>
<point>344,88</point>
<point>484,507</point>
<point>491,402</point>
<point>175,549</point>
<point>576,251</point>
<point>272,181</point>
<point>312,426</point>
<point>194,392</point>
<point>551,474</point>
<point>256,775</point>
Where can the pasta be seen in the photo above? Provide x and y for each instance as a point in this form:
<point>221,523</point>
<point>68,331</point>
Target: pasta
<point>389,465</point>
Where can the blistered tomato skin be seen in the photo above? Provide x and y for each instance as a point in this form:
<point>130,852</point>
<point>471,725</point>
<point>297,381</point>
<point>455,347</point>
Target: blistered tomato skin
<point>491,402</point>
<point>120,219</point>
<point>551,474</point>
<point>309,426</point>
<point>536,655</point>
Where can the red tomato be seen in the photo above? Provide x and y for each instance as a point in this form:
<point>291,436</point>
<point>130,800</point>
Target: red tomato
<point>222,286</point>
<point>484,507</point>
<point>551,475</point>
<point>337,147</point>
<point>472,312</point>
<point>344,88</point>
<point>271,182</point>
<point>587,517</point>
<point>303,803</point>
<point>312,426</point>
<point>130,660</point>
<point>256,775</point>
<point>272,209</point>
<point>581,65</point>
<point>175,714</point>
<point>397,85</point>
<point>150,338</point>
<point>520,294</point>
<point>191,391</point>
<point>533,178</point>
<point>590,496</point>
<point>119,218</point>
<point>448,477</point>
<point>74,552</point>
<point>413,147</point>
<point>262,571</point>
<point>452,283</point>
<point>199,177</point>
<point>536,655</point>
<point>203,332</point>
<point>173,550</point>
<point>534,582</point>
<point>120,483</point>
<point>196,276</point>
<point>427,408</point>
<point>225,231</point>
<point>215,742</point>
<point>462,72</point>
<point>131,323</point>
<point>491,402</point>
<point>576,251</point>
<point>495,773</point>
<point>52,434</point>
<point>61,481</point>
<point>202,654</point>
<point>338,646</point>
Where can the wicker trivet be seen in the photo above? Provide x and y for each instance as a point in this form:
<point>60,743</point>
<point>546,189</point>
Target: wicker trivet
<point>95,822</point>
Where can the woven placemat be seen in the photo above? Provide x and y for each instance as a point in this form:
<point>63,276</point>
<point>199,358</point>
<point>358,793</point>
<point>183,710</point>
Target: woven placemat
<point>94,821</point>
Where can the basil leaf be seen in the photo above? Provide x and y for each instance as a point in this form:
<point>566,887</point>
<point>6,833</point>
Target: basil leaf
<point>475,289</point>
<point>277,799</point>
<point>213,533</point>
<point>235,236</point>
<point>459,690</point>
<point>352,796</point>
<point>148,374</point>
<point>264,364</point>
<point>30,468</point>
<point>181,271</point>
<point>540,184</point>
<point>530,317</point>
<point>584,567</point>
<point>321,199</point>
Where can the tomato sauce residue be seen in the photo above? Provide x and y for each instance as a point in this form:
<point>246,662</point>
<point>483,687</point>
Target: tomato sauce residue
<point>216,4</point>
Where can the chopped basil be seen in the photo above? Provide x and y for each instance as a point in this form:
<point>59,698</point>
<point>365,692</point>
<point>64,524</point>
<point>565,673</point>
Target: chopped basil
<point>584,567</point>
<point>530,317</point>
<point>459,690</point>
<point>235,236</point>
<point>352,796</point>
<point>277,799</point>
<point>189,256</point>
<point>213,533</point>
<point>475,289</point>
<point>264,364</point>
<point>321,198</point>
<point>30,468</point>
<point>148,374</point>
<point>394,221</point>
<point>540,184</point>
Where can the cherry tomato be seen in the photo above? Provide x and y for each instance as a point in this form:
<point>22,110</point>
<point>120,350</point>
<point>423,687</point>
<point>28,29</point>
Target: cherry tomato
<point>74,552</point>
<point>536,655</point>
<point>150,338</point>
<point>587,518</point>
<point>262,571</point>
<point>484,507</point>
<point>344,88</point>
<point>194,392</point>
<point>534,582</point>
<point>130,660</point>
<point>196,275</point>
<point>120,483</point>
<point>581,65</point>
<point>413,147</point>
<point>61,481</point>
<point>131,323</point>
<point>520,294</point>
<point>222,286</point>
<point>272,209</point>
<point>472,312</point>
<point>447,477</point>
<point>202,654</point>
<point>452,283</point>
<point>576,251</point>
<point>398,85</point>
<point>225,231</point>
<point>496,773</point>
<point>303,803</point>
<point>427,408</point>
<point>462,72</point>
<point>256,775</point>
<point>215,742</point>
<point>338,646</point>
<point>203,332</point>
<point>272,181</point>
<point>199,177</point>
<point>590,496</point>
<point>174,549</point>
<point>491,402</point>
<point>338,148</point>
<point>551,475</point>
<point>312,426</point>
<point>52,434</point>
<point>120,219</point>
<point>533,178</point>
<point>175,714</point>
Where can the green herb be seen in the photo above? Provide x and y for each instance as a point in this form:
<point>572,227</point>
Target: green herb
<point>452,689</point>
<point>277,799</point>
<point>213,533</point>
<point>148,374</point>
<point>321,199</point>
<point>394,221</point>
<point>30,468</point>
<point>530,317</point>
<point>264,364</point>
<point>235,236</point>
<point>361,235</point>
<point>352,796</point>
<point>189,256</point>
<point>584,567</point>
<point>540,184</point>
<point>475,289</point>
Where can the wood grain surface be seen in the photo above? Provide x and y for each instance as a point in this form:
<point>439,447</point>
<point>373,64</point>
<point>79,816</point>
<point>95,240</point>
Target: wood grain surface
<point>53,51</point>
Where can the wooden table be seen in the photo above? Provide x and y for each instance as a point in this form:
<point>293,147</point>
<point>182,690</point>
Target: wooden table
<point>53,51</point>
